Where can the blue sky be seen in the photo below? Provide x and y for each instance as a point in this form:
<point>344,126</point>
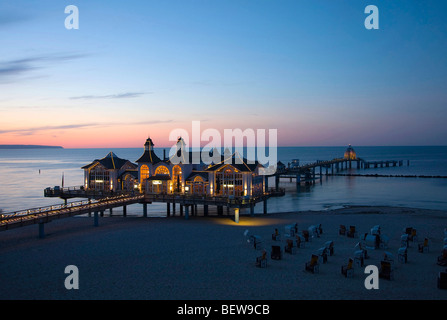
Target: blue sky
<point>307,68</point>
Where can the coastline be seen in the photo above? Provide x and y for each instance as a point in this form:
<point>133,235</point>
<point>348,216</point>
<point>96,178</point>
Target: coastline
<point>208,258</point>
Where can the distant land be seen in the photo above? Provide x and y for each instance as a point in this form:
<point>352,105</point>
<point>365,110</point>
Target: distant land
<point>27,146</point>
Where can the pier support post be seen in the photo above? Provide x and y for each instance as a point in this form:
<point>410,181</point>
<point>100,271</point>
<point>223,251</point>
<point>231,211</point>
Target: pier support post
<point>96,219</point>
<point>205,210</point>
<point>252,210</point>
<point>145,210</point>
<point>124,211</point>
<point>219,210</point>
<point>277,182</point>
<point>186,212</point>
<point>110,211</point>
<point>298,181</point>
<point>168,209</point>
<point>236,215</point>
<point>41,230</point>
<point>181,210</point>
<point>173,208</point>
<point>265,206</point>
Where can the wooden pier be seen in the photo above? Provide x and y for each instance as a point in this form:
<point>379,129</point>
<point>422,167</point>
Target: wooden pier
<point>307,173</point>
<point>99,202</point>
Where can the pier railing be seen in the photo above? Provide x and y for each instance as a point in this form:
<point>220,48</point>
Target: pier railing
<point>81,192</point>
<point>48,213</point>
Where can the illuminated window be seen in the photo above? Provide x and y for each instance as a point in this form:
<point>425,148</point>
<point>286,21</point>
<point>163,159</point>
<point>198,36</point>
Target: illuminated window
<point>198,179</point>
<point>177,178</point>
<point>144,172</point>
<point>162,170</point>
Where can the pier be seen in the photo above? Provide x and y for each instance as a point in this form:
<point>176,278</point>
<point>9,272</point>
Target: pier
<point>112,182</point>
<point>308,173</point>
<point>99,202</point>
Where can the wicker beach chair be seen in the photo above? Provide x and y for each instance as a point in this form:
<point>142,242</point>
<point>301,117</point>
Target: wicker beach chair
<point>348,269</point>
<point>423,247</point>
<point>412,234</point>
<point>322,252</point>
<point>313,233</point>
<point>312,265</point>
<point>276,253</point>
<point>330,247</point>
<point>290,248</point>
<point>306,235</point>
<point>261,261</point>
<point>402,254</point>
<point>289,230</point>
<point>276,236</point>
<point>404,240</point>
<point>442,280</point>
<point>342,230</point>
<point>386,270</point>
<point>300,241</point>
<point>351,233</point>
<point>442,259</point>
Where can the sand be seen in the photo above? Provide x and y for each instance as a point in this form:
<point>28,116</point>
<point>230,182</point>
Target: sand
<point>208,258</point>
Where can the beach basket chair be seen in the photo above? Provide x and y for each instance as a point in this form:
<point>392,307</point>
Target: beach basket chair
<point>329,247</point>
<point>375,230</point>
<point>322,252</point>
<point>442,259</point>
<point>290,248</point>
<point>424,246</point>
<point>289,230</point>
<point>348,269</point>
<point>306,236</point>
<point>389,257</point>
<point>359,258</point>
<point>276,236</point>
<point>319,229</point>
<point>351,233</point>
<point>276,253</point>
<point>402,254</point>
<point>412,234</point>
<point>386,270</point>
<point>312,265</point>
<point>342,230</point>
<point>300,241</point>
<point>256,241</point>
<point>313,233</point>
<point>404,240</point>
<point>371,241</point>
<point>442,280</point>
<point>360,247</point>
<point>261,261</point>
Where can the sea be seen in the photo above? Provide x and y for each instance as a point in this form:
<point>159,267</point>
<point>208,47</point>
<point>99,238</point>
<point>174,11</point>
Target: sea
<point>25,173</point>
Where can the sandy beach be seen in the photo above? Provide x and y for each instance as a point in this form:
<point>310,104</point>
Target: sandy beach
<point>209,258</point>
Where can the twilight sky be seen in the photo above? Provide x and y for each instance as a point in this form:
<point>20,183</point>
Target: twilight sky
<point>308,68</point>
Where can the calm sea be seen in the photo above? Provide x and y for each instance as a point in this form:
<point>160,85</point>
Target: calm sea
<point>25,173</point>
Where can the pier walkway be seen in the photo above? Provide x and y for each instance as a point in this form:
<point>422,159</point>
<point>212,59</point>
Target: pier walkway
<point>98,202</point>
<point>47,214</point>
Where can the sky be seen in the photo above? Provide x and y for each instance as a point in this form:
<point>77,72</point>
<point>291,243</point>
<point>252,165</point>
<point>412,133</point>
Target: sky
<point>306,68</point>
